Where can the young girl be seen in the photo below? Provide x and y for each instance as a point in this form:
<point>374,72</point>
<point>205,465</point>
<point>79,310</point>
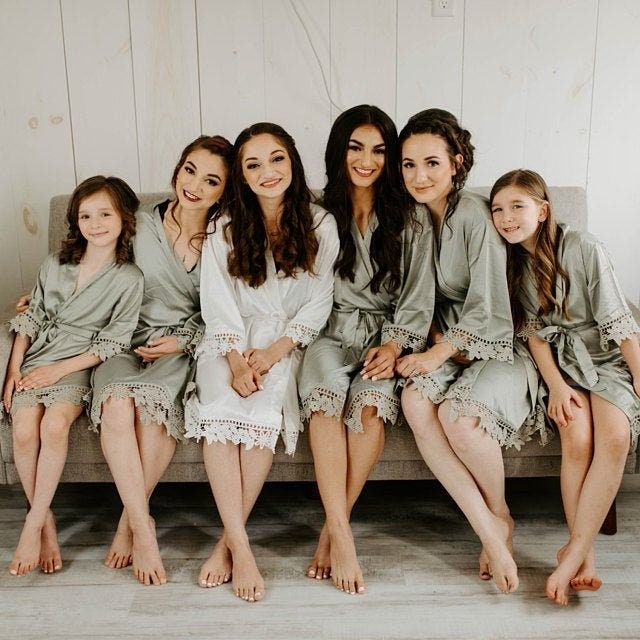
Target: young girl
<point>267,285</point>
<point>384,289</point>
<point>569,307</point>
<point>82,311</point>
<point>138,394</point>
<point>463,409</point>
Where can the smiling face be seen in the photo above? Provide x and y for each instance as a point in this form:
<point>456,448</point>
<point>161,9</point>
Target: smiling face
<point>427,170</point>
<point>99,221</point>
<point>365,156</point>
<point>201,179</point>
<point>517,216</point>
<point>266,166</point>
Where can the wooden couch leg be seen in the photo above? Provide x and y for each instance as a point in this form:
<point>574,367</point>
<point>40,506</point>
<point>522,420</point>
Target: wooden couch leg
<point>610,524</point>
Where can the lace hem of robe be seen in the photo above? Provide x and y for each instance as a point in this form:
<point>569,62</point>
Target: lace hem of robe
<point>618,328</point>
<point>104,348</point>
<point>634,423</point>
<point>189,341</point>
<point>153,404</point>
<point>250,434</point>
<point>530,328</point>
<point>323,399</point>
<point>479,348</point>
<point>301,333</point>
<point>502,431</point>
<point>75,394</point>
<point>404,338</point>
<point>218,344</point>
<point>386,408</point>
<point>25,324</point>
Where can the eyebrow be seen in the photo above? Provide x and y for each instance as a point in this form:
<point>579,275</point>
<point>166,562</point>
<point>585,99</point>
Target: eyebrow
<point>375,146</point>
<point>279,150</point>
<point>209,175</point>
<point>101,209</point>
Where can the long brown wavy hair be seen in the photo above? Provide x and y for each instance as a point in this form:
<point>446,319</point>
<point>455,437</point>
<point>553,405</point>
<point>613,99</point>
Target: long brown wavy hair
<point>458,140</point>
<point>296,246</point>
<point>545,256</point>
<point>391,206</point>
<point>124,201</point>
<point>217,146</point>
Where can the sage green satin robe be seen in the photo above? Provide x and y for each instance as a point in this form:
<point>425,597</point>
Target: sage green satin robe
<point>63,322</point>
<point>170,306</point>
<point>586,345</point>
<point>473,311</point>
<point>330,378</point>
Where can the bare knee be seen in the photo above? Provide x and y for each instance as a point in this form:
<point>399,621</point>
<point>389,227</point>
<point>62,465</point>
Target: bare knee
<point>370,421</point>
<point>25,434</point>
<point>117,414</point>
<point>617,441</point>
<point>461,432</point>
<point>420,413</point>
<point>54,429</point>
<point>577,442</point>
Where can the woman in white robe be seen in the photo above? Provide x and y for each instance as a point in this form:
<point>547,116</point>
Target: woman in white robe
<point>266,289</point>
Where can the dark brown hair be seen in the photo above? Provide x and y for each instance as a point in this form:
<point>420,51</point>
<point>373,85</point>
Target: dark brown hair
<point>545,256</point>
<point>390,202</point>
<point>217,146</point>
<point>296,246</point>
<point>445,125</point>
<point>124,201</point>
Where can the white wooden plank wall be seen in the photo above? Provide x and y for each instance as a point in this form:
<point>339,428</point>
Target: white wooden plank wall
<point>90,86</point>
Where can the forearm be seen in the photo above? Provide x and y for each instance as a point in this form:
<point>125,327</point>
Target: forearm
<point>78,363</point>
<point>543,356</point>
<point>631,353</point>
<point>283,347</point>
<point>21,345</point>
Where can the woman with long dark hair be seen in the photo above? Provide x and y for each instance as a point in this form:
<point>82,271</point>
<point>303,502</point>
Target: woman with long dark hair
<point>267,288</point>
<point>382,305</point>
<point>137,398</point>
<point>469,394</point>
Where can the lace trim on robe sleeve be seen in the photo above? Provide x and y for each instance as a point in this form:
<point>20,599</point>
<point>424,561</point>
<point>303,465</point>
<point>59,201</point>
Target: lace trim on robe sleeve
<point>189,341</point>
<point>301,333</point>
<point>404,338</point>
<point>530,328</point>
<point>478,348</point>
<point>25,324</point>
<point>104,348</point>
<point>618,328</point>
<point>219,343</point>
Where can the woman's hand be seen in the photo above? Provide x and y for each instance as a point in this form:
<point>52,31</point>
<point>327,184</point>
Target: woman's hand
<point>261,360</point>
<point>380,362</point>
<point>158,347</point>
<point>23,303</point>
<point>41,377</point>
<point>418,363</point>
<point>10,385</point>
<point>561,395</point>
<point>246,380</point>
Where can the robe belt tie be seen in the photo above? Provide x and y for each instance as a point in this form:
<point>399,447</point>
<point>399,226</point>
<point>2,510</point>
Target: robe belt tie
<point>368,333</point>
<point>54,324</point>
<point>564,339</point>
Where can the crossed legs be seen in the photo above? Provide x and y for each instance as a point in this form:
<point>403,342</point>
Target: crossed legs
<point>236,475</point>
<point>40,438</point>
<point>343,461</point>
<point>594,497</point>
<point>465,460</point>
<point>125,447</point>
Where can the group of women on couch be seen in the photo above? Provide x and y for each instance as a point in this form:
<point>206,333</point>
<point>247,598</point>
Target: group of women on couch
<point>248,307</point>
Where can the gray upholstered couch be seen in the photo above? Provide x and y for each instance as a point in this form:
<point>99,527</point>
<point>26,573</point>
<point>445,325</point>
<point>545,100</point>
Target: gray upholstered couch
<point>400,459</point>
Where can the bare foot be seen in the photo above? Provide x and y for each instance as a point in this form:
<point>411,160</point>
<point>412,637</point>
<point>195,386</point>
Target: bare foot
<point>50,559</point>
<point>145,554</point>
<point>504,570</point>
<point>216,569</point>
<point>345,568</point>
<point>247,582</point>
<point>119,554</point>
<point>485,572</point>
<point>26,557</point>
<point>320,565</point>
<point>559,581</point>
<point>586,579</point>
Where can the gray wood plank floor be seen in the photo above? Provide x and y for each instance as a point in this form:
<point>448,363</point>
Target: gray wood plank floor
<point>417,551</point>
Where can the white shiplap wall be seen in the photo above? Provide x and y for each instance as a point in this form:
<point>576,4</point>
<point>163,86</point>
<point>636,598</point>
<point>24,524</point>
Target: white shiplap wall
<point>119,86</point>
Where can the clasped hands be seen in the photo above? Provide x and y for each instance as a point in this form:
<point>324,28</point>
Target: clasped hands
<point>249,367</point>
